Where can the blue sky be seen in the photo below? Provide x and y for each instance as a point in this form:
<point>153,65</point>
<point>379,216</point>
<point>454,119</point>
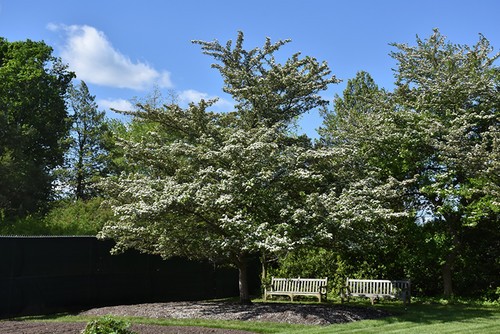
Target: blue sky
<point>122,49</point>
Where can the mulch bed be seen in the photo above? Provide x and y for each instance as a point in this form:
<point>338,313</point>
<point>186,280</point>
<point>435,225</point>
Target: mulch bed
<point>21,327</point>
<point>307,314</point>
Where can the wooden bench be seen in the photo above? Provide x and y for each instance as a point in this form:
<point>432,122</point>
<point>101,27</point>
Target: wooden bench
<point>297,287</point>
<point>377,288</point>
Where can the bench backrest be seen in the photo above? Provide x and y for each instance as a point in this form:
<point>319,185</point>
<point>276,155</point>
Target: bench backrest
<point>298,284</point>
<point>380,287</point>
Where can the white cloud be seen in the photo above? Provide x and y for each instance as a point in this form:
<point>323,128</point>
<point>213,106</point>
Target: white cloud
<point>118,104</point>
<point>94,59</point>
<point>53,27</point>
<point>191,95</point>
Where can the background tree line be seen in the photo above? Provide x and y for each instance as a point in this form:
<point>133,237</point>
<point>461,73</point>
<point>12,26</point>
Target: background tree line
<point>400,184</point>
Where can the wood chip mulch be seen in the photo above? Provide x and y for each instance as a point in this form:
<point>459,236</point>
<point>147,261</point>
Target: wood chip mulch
<point>292,313</point>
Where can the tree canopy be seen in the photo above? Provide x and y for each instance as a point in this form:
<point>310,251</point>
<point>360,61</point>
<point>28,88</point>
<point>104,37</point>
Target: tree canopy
<point>401,183</point>
<point>86,159</point>
<point>268,92</point>
<point>224,185</point>
<point>434,139</point>
<point>451,95</point>
<point>33,121</point>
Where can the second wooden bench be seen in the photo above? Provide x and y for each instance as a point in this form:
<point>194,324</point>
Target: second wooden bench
<point>376,288</point>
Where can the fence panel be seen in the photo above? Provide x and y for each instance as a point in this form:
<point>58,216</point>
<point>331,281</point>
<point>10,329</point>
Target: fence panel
<point>42,275</point>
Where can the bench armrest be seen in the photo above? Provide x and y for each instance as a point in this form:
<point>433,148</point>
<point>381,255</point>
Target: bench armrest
<point>344,290</point>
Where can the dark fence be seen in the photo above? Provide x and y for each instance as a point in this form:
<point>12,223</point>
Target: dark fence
<point>42,275</point>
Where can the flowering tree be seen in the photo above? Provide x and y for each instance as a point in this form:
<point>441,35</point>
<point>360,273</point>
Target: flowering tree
<point>451,95</point>
<point>430,147</point>
<point>223,186</point>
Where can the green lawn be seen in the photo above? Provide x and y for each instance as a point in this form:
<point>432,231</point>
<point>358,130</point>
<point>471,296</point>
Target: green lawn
<point>420,318</point>
<point>425,318</point>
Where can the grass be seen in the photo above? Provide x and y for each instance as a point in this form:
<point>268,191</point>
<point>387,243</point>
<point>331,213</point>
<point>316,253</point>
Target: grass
<point>252,326</point>
<point>421,317</point>
<point>425,318</point>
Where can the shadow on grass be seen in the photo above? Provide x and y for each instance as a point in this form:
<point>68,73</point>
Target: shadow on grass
<point>429,313</point>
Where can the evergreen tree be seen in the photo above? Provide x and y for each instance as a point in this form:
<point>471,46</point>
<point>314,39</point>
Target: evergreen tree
<point>87,156</point>
<point>357,99</point>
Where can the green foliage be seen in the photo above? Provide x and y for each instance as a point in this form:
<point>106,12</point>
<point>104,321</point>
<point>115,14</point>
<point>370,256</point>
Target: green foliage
<point>77,217</point>
<point>32,224</point>
<point>87,158</point>
<point>451,92</point>
<point>156,99</point>
<point>348,110</point>
<point>33,121</point>
<point>312,263</point>
<point>220,194</point>
<point>337,265</point>
<point>107,325</point>
<point>223,186</point>
<point>135,129</point>
<point>431,148</point>
<point>450,95</point>
<point>268,92</point>
<point>66,217</point>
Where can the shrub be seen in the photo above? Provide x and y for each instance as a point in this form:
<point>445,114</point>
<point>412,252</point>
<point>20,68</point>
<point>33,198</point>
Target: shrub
<point>107,325</point>
<point>312,263</point>
<point>29,225</point>
<point>67,217</point>
<point>316,262</point>
<point>77,217</point>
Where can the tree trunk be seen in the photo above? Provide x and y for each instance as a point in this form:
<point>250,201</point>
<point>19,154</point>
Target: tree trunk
<point>447,271</point>
<point>79,173</point>
<point>264,268</point>
<point>243,280</point>
<point>447,267</point>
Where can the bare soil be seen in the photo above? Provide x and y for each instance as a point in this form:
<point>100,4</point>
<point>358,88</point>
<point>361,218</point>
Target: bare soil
<point>308,314</point>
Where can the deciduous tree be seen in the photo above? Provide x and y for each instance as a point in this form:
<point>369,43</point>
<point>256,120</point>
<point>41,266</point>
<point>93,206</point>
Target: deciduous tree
<point>452,93</point>
<point>433,141</point>
<point>224,186</point>
<point>268,92</point>
<point>33,121</point>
